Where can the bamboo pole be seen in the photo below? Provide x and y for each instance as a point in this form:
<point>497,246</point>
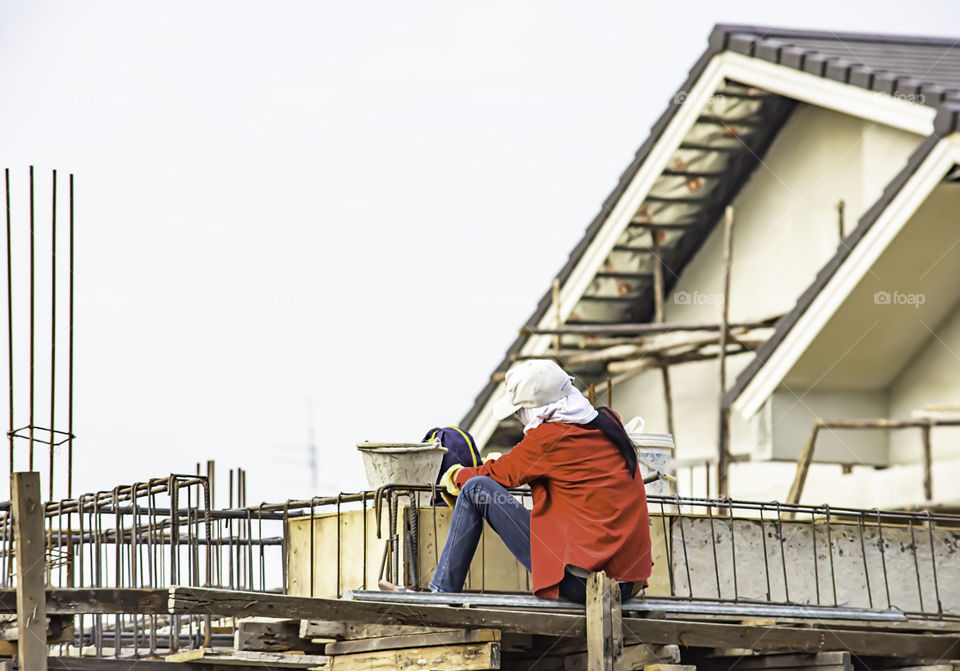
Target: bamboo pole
<point>668,398</point>
<point>841,207</point>
<point>556,312</point>
<point>657,278</point>
<point>641,329</point>
<point>927,464</point>
<point>806,454</point>
<point>723,438</point>
<point>803,464</point>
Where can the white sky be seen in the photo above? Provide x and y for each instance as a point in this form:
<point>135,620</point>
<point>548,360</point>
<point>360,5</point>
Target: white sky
<point>326,212</point>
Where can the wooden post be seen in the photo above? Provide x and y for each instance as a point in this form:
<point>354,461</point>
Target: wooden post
<point>723,438</point>
<point>31,562</point>
<point>604,623</point>
<point>841,206</point>
<point>555,294</point>
<point>927,464</point>
<point>657,278</point>
<point>668,397</point>
<point>803,464</point>
<point>658,318</point>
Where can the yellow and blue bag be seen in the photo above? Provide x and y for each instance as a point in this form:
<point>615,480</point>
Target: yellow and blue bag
<point>461,447</point>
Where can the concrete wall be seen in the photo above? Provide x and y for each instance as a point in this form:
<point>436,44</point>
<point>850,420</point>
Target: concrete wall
<point>802,563</point>
<point>932,377</point>
<point>787,421</point>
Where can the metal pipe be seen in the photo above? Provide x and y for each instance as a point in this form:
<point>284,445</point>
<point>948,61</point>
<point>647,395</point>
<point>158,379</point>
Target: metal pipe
<point>9,316</point>
<point>31,317</point>
<point>53,328</point>
<point>70,361</point>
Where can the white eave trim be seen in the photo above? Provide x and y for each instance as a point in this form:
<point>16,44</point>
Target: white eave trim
<point>845,98</point>
<point>779,79</point>
<point>917,188</point>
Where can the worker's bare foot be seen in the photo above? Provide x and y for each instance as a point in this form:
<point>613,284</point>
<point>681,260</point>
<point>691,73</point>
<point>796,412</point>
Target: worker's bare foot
<point>386,586</point>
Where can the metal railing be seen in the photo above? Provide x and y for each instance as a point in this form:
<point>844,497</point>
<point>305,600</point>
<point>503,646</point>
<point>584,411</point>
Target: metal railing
<point>162,532</point>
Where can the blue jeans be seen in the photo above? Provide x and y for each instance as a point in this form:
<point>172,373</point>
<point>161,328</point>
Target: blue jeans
<point>482,498</point>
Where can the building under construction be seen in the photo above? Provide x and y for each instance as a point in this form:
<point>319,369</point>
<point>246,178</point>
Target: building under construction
<point>774,343</point>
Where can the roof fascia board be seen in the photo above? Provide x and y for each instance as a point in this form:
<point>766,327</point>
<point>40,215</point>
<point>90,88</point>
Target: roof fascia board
<point>861,258</point>
<point>874,106</point>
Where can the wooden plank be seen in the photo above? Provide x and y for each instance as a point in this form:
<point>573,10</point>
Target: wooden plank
<point>786,639</point>
<point>228,603</point>
<point>106,664</point>
<point>661,632</point>
<point>634,658</point>
<point>228,657</point>
<point>95,601</point>
<point>355,630</point>
<point>59,628</point>
<point>340,630</point>
<point>271,635</point>
<point>604,630</point>
<point>839,658</point>
<point>31,565</point>
<point>413,641</point>
<point>438,658</point>
<point>865,640</point>
<point>310,629</point>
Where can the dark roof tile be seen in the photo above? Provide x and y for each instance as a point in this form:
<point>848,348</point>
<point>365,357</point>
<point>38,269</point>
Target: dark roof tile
<point>884,81</point>
<point>815,63</point>
<point>769,50</point>
<point>742,43</point>
<point>948,118</point>
<point>907,87</point>
<point>792,57</point>
<point>932,94</point>
<point>862,76</point>
<point>839,70</point>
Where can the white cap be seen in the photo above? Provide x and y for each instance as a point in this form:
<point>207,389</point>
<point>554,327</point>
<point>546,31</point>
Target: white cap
<point>532,384</point>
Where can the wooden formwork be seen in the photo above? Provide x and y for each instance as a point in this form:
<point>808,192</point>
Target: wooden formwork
<point>347,555</point>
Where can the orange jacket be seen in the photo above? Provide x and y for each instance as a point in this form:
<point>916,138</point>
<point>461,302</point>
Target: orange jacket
<point>587,509</point>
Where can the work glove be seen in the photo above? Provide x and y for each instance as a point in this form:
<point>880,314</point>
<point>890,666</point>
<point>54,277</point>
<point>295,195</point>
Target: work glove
<point>448,485</point>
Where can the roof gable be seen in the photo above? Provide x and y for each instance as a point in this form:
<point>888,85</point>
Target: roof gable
<point>698,155</point>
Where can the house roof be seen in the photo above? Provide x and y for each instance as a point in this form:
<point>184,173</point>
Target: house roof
<point>720,151</point>
<point>922,69</point>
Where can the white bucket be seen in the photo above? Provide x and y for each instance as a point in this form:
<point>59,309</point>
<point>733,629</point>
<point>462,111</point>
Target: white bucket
<point>402,464</point>
<point>655,453</point>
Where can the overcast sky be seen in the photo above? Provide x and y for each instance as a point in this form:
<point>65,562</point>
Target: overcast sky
<point>327,214</point>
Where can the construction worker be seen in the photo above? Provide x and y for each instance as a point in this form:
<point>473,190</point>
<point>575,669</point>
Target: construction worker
<point>589,505</point>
